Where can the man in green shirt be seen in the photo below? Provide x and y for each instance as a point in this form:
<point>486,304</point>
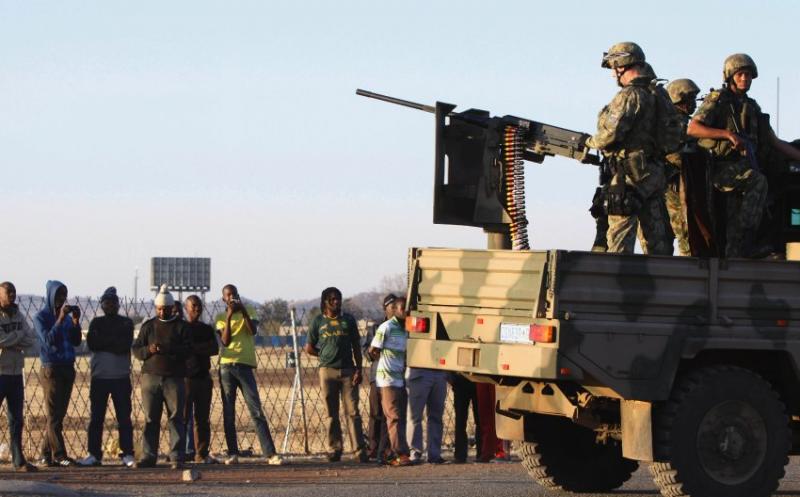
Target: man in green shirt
<point>333,337</point>
<point>237,362</point>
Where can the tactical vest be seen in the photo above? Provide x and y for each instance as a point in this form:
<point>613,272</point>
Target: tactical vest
<point>733,113</point>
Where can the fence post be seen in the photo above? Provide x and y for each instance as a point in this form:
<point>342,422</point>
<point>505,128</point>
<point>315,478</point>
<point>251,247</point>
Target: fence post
<point>297,387</point>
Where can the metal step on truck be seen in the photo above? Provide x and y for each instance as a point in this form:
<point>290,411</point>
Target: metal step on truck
<point>602,361</point>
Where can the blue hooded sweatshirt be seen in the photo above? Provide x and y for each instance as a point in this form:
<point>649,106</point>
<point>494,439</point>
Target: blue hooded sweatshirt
<point>57,341</point>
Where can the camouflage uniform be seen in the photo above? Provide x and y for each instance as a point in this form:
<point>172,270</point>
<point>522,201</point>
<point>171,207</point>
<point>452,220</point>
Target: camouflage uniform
<point>625,136</point>
<point>732,171</point>
<point>673,198</point>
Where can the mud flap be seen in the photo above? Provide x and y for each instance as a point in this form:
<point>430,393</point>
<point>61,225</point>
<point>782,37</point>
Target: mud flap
<point>637,430</point>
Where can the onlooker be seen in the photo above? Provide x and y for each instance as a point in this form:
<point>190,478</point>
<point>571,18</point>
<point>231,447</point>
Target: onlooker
<point>333,337</point>
<point>237,362</point>
<point>15,336</point>
<point>427,390</point>
<point>109,339</point>
<point>58,327</point>
<point>389,347</point>
<point>198,378</point>
<point>377,434</point>
<point>163,347</point>
<point>464,394</point>
<point>488,442</point>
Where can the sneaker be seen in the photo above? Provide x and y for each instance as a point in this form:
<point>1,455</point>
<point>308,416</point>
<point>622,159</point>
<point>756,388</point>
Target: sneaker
<point>335,456</point>
<point>26,468</point>
<point>89,460</point>
<point>415,457</point>
<point>232,459</point>
<point>206,460</point>
<point>66,462</point>
<point>129,461</point>
<point>45,463</point>
<point>275,460</point>
<point>401,460</point>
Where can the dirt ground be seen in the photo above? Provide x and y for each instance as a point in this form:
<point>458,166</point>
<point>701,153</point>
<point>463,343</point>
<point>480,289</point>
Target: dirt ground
<point>316,477</point>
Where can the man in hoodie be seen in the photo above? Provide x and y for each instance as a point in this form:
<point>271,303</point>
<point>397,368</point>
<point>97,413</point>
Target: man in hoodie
<point>109,339</point>
<point>198,379</point>
<point>58,327</point>
<point>163,346</point>
<point>15,337</point>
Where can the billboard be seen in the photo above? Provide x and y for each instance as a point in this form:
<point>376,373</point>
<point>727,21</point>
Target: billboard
<point>181,273</point>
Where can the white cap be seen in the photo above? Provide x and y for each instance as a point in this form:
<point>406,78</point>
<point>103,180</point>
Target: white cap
<point>164,298</point>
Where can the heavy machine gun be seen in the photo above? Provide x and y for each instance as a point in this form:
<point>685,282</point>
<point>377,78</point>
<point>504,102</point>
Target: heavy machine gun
<point>478,170</point>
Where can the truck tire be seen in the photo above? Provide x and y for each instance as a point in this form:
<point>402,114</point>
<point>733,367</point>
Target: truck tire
<point>564,456</point>
<point>724,431</point>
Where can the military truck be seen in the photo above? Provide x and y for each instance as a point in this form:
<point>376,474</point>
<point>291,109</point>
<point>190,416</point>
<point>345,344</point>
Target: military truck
<point>603,361</point>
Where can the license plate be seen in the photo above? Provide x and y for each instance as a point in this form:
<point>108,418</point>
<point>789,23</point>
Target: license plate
<point>515,333</point>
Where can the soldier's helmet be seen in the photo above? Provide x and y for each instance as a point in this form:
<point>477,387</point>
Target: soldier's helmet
<point>682,90</point>
<point>735,63</point>
<point>622,54</point>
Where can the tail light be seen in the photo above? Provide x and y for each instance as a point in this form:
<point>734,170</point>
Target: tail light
<point>416,324</point>
<point>542,334</point>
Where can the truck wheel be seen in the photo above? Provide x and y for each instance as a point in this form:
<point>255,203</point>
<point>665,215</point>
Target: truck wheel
<point>564,456</point>
<point>724,431</point>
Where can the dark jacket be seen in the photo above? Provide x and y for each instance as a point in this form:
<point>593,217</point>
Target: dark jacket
<point>110,339</point>
<point>57,341</point>
<point>174,344</point>
<point>204,345</point>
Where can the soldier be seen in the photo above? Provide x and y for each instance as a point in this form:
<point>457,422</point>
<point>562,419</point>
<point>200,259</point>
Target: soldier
<point>625,135</point>
<point>732,127</point>
<point>683,93</point>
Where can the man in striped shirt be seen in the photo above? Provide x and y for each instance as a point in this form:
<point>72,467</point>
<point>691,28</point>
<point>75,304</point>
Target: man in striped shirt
<point>389,349</point>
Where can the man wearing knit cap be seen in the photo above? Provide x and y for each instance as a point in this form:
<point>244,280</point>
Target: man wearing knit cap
<point>109,339</point>
<point>163,346</point>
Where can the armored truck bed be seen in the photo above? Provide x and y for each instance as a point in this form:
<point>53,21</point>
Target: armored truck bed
<point>624,322</point>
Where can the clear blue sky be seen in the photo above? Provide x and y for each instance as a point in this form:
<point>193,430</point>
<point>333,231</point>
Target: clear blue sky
<point>231,130</point>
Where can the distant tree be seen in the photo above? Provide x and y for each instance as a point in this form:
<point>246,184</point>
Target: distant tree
<point>394,283</point>
<point>311,314</point>
<point>352,307</point>
<point>273,314</point>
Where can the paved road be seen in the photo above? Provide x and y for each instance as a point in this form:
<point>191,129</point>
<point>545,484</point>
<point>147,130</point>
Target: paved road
<point>313,478</point>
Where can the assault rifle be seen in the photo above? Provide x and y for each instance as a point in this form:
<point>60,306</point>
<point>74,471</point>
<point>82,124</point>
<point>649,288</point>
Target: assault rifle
<point>478,174</point>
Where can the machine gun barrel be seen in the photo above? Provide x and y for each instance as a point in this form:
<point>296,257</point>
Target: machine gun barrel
<point>396,101</point>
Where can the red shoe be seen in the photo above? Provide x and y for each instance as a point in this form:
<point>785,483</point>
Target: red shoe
<point>401,460</point>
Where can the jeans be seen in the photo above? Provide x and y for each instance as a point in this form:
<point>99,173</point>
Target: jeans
<point>57,384</point>
<point>377,433</point>
<point>426,392</point>
<point>335,383</point>
<point>156,392</point>
<point>120,391</point>
<point>198,403</point>
<point>231,377</point>
<point>464,394</point>
<point>13,391</point>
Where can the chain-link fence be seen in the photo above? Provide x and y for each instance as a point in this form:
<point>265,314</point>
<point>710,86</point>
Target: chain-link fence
<point>275,377</point>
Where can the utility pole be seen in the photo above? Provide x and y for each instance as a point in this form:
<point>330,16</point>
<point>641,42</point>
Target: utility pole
<point>136,285</point>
